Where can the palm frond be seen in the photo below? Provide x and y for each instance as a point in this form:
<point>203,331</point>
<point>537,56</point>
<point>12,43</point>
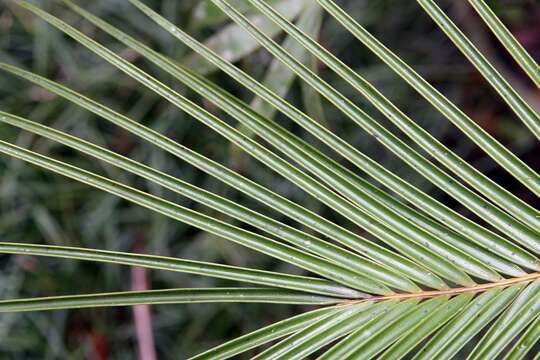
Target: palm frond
<point>429,282</point>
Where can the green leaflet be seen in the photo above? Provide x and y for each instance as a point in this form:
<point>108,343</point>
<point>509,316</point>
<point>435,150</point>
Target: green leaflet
<point>291,347</point>
<point>526,342</point>
<point>515,49</point>
<point>372,208</point>
<point>523,311</point>
<point>369,124</point>
<point>380,340</point>
<point>294,282</point>
<point>412,248</point>
<point>423,238</point>
<point>264,128</point>
<point>240,111</point>
<point>170,296</point>
<point>363,333</point>
<point>450,330</point>
<point>256,191</point>
<point>447,342</point>
<point>426,326</point>
<point>278,77</point>
<point>369,206</point>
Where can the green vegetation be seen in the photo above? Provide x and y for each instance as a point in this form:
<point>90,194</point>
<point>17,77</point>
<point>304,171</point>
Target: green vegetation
<point>306,192</point>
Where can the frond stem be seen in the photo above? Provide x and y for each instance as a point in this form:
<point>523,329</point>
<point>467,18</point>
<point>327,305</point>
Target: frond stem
<point>454,291</point>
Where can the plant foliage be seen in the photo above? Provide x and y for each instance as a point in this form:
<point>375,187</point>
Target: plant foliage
<point>427,280</point>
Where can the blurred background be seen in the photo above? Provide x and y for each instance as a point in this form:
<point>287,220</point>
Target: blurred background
<point>39,207</point>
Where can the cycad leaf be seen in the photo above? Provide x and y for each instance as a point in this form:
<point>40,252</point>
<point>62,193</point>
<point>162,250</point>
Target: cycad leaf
<point>465,325</point>
<point>363,333</point>
<point>418,243</point>
<point>529,339</point>
<point>294,342</point>
<point>379,340</point>
<point>256,191</point>
<point>409,246</point>
<point>425,327</point>
<point>282,139</point>
<point>280,230</point>
<point>438,263</point>
<point>418,252</point>
<point>249,83</point>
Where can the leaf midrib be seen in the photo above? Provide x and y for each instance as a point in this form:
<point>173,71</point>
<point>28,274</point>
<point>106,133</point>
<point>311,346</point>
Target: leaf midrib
<point>453,291</point>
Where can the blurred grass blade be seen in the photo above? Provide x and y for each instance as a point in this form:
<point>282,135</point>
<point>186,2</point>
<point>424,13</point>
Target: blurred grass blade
<point>268,278</point>
<point>312,338</point>
<point>522,312</point>
<point>402,224</point>
<point>491,146</point>
<point>251,240</point>
<point>266,334</point>
<point>527,115</point>
<point>426,326</point>
<point>301,239</point>
<point>467,172</point>
<point>205,13</point>
<point>252,189</point>
<point>454,335</point>
<point>413,250</point>
<point>170,296</point>
<point>530,338</point>
<point>233,43</point>
<point>278,77</point>
<point>344,348</point>
<point>311,99</point>
<point>520,55</point>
